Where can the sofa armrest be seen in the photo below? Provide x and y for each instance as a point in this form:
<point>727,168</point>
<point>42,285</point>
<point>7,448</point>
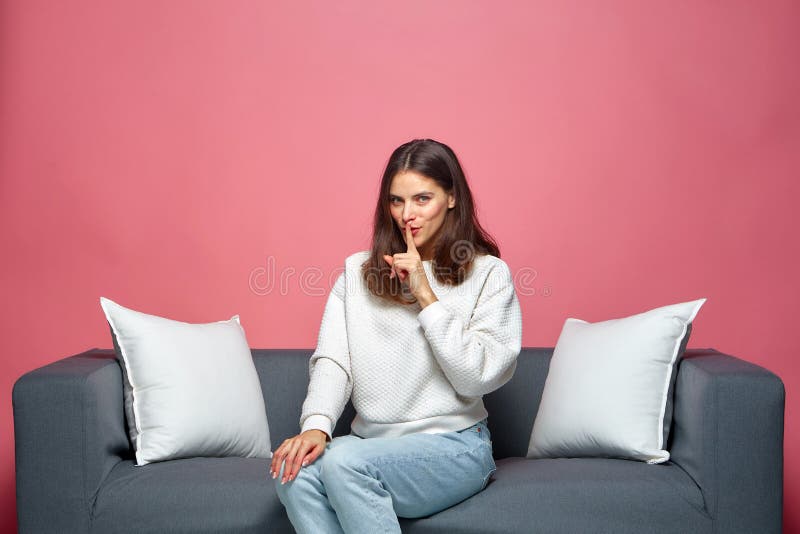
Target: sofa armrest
<point>69,428</point>
<point>728,435</point>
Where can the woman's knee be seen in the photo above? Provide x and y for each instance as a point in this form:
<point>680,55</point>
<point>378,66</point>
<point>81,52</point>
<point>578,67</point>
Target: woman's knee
<point>337,457</point>
<point>341,460</point>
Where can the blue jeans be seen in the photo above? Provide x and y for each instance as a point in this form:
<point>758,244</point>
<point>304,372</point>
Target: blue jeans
<point>363,485</point>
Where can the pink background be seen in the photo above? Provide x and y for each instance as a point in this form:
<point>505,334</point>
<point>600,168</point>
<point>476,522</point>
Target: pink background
<point>165,153</point>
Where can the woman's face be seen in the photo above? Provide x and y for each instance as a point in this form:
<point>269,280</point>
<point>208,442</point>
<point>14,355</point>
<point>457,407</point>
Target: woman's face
<point>420,202</point>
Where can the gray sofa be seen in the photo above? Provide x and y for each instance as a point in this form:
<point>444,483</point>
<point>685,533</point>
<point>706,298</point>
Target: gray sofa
<point>74,464</point>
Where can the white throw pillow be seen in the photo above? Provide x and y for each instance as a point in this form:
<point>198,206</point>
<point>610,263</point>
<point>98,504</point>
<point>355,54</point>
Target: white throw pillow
<point>608,391</point>
<point>190,389</point>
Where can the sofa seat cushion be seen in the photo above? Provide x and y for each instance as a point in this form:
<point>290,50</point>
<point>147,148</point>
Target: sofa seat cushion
<point>566,495</point>
<point>576,495</point>
<point>194,495</point>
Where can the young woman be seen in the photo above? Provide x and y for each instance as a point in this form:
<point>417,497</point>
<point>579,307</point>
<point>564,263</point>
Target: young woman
<point>415,330</point>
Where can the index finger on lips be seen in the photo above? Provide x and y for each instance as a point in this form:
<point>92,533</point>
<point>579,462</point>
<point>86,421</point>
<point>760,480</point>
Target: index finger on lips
<point>410,239</point>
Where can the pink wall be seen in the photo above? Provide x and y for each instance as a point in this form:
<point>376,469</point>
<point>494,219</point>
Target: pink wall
<point>632,156</point>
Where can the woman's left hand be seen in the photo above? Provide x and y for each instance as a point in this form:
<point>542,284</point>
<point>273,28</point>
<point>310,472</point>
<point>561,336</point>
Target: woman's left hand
<point>408,267</point>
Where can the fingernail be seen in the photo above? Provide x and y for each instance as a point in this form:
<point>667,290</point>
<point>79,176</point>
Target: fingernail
<point>305,464</point>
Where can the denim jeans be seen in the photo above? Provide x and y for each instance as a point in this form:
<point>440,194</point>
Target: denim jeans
<point>363,485</point>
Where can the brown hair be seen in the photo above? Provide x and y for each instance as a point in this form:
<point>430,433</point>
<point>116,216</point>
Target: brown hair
<point>460,238</point>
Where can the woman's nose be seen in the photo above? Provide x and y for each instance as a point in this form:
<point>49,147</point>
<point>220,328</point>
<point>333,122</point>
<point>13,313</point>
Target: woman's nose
<point>408,213</point>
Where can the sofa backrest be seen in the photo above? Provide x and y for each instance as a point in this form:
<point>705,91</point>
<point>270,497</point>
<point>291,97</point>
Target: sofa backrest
<point>512,408</point>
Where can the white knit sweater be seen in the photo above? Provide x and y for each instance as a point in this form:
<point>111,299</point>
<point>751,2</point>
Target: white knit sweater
<point>411,369</point>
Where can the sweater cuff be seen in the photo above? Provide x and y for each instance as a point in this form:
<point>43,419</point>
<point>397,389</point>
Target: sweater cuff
<point>318,422</point>
<point>431,313</point>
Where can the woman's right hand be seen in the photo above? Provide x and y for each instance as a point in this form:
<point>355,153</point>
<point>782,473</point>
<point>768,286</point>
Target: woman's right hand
<point>298,451</point>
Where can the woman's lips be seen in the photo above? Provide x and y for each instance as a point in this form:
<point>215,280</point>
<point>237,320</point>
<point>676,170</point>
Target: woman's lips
<point>414,231</point>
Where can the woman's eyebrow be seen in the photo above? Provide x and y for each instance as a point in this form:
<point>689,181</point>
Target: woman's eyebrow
<point>416,195</point>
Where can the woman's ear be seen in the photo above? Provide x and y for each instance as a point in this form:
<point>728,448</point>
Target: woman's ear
<point>451,201</point>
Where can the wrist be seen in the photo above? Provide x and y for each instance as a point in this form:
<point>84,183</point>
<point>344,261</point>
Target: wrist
<point>427,298</point>
<point>325,434</point>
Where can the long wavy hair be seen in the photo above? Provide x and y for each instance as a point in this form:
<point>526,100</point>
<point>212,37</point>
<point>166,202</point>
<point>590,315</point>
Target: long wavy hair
<point>460,239</point>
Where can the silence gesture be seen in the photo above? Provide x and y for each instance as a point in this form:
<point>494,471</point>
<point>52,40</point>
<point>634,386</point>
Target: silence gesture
<point>408,267</point>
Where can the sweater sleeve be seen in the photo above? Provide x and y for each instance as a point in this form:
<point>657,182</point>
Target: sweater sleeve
<point>330,378</point>
<point>481,356</point>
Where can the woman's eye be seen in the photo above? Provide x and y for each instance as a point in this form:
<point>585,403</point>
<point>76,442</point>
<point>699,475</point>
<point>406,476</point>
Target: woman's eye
<point>423,198</point>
